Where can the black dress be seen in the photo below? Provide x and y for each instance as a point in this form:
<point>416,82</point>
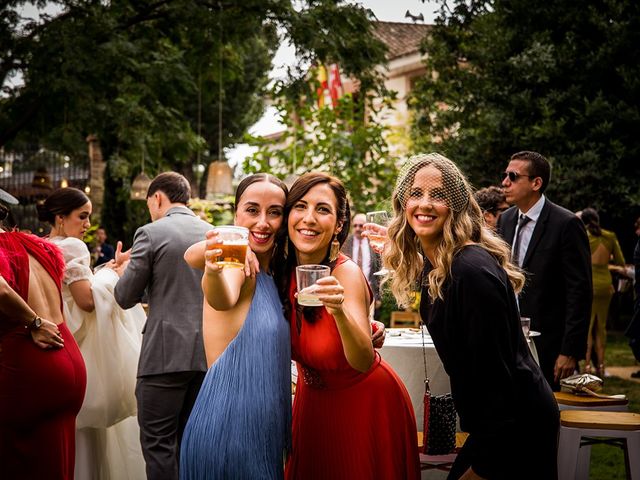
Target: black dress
<point>501,396</point>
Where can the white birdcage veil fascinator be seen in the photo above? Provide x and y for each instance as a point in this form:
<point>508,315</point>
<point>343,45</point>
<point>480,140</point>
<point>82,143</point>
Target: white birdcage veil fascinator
<point>451,190</point>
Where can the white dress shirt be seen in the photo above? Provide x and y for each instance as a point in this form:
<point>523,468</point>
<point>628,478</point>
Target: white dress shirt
<point>527,230</point>
<point>366,258</point>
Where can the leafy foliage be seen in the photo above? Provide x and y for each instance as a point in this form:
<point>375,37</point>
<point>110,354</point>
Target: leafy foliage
<point>148,78</point>
<point>347,140</point>
<point>560,78</point>
<point>333,140</point>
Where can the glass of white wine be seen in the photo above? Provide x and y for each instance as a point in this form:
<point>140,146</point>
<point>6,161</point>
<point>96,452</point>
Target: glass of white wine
<point>377,241</point>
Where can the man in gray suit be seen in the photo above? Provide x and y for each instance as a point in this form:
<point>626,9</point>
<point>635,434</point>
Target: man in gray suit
<point>172,361</point>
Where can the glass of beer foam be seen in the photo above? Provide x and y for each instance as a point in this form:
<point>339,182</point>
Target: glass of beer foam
<point>233,241</point>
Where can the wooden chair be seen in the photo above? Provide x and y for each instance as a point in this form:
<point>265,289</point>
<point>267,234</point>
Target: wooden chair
<point>440,462</point>
<point>405,319</point>
<point>579,429</point>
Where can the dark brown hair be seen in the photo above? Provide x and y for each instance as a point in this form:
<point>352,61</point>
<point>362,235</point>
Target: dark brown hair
<point>173,185</point>
<point>285,263</point>
<point>490,198</point>
<point>61,202</point>
<point>538,166</point>
<point>255,178</point>
<point>591,221</point>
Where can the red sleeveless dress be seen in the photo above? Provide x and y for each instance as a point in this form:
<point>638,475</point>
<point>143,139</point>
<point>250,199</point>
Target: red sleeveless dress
<point>346,424</point>
<point>41,391</point>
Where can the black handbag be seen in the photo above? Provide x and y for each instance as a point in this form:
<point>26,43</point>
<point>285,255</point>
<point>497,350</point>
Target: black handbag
<point>440,417</point>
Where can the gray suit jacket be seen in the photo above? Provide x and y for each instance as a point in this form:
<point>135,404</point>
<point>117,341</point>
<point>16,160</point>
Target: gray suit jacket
<point>172,337</point>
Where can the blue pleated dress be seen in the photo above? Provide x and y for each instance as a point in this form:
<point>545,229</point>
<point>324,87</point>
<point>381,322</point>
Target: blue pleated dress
<point>240,424</point>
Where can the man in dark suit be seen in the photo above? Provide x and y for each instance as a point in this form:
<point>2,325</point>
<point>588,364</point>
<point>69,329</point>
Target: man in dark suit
<point>103,252</point>
<point>633,330</point>
<point>172,360</point>
<point>550,243</point>
<point>357,247</point>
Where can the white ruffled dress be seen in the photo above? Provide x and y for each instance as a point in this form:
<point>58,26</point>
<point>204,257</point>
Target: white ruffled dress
<point>107,435</point>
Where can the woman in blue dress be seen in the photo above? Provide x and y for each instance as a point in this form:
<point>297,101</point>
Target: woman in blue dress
<point>239,426</point>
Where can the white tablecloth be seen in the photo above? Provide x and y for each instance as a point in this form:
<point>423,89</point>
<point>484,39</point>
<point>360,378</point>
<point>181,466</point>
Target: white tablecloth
<point>403,351</point>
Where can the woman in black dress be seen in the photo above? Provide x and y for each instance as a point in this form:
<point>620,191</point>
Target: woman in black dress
<point>437,239</point>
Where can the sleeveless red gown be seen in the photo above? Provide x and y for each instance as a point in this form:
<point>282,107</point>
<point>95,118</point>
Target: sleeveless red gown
<point>346,424</point>
<point>41,391</point>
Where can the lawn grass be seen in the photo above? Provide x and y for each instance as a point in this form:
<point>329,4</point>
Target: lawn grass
<point>618,352</point>
<point>607,462</point>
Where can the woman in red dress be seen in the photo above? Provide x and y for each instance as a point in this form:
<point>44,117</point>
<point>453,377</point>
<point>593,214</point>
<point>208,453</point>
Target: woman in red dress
<point>42,374</point>
<point>352,416</point>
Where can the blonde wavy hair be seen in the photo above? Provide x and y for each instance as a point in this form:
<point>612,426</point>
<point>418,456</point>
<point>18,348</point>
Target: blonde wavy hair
<point>464,226</point>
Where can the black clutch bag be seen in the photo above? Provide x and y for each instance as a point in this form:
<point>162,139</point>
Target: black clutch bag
<point>440,417</point>
<point>441,433</point>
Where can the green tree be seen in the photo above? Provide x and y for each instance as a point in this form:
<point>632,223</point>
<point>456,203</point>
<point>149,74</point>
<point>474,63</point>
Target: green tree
<point>334,140</point>
<point>147,78</point>
<point>560,78</point>
<point>347,140</point>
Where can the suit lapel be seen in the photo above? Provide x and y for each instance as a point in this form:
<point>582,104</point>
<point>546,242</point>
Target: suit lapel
<point>538,232</point>
<point>347,248</point>
<point>509,224</point>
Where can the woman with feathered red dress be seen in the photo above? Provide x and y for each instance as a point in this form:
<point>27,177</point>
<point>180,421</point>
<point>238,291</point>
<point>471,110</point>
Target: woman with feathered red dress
<point>42,374</point>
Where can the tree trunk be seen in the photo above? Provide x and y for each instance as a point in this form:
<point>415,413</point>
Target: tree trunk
<point>97,166</point>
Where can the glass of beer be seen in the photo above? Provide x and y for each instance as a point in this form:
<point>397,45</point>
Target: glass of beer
<point>233,241</point>
<point>306,277</point>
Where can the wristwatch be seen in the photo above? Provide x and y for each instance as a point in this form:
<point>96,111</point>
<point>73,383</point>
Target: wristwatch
<point>35,324</point>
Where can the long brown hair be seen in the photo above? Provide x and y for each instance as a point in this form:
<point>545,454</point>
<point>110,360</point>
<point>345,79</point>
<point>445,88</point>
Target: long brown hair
<point>284,258</point>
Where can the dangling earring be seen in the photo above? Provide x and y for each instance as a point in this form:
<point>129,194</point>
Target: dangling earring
<point>286,248</point>
<point>335,249</point>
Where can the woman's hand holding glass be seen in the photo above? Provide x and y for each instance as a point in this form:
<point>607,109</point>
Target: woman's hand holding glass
<point>213,252</point>
<point>331,293</point>
<point>377,231</point>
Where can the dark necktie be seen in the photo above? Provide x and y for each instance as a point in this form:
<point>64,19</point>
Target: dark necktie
<point>516,246</point>
<point>359,257</point>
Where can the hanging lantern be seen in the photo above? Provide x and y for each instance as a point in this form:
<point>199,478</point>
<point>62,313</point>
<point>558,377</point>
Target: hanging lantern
<point>42,179</point>
<point>140,186</point>
<point>219,180</point>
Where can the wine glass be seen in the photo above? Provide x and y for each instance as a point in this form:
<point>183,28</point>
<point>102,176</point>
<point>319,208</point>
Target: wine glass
<point>380,217</point>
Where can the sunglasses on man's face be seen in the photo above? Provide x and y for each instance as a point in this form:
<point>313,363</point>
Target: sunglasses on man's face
<point>513,176</point>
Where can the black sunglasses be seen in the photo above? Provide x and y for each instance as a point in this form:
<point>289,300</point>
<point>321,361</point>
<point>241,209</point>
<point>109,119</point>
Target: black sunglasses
<point>513,176</point>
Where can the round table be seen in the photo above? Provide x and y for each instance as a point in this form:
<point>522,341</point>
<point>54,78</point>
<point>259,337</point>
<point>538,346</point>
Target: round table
<point>403,351</point>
